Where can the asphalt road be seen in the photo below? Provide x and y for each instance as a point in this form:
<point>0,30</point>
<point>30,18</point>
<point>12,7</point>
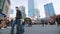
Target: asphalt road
<point>36,29</point>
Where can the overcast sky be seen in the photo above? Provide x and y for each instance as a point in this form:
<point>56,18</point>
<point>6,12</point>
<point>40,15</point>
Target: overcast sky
<point>38,4</point>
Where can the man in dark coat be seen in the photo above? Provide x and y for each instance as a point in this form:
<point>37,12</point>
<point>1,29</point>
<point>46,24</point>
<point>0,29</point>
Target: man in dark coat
<point>18,22</point>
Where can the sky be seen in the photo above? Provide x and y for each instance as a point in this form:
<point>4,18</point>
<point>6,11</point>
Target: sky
<point>39,4</point>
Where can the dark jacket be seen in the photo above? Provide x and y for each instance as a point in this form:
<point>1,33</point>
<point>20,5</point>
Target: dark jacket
<point>18,14</point>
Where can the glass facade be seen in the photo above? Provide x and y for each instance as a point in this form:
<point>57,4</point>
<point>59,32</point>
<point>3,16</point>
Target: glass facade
<point>23,11</point>
<point>8,1</point>
<point>30,8</point>
<point>49,9</point>
<point>36,12</point>
<point>1,3</point>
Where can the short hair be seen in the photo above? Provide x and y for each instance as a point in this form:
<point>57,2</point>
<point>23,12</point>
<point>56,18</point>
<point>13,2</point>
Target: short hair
<point>16,7</point>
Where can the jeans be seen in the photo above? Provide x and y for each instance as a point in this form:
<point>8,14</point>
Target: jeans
<point>17,22</point>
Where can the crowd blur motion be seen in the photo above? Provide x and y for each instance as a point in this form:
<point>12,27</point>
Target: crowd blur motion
<point>4,22</point>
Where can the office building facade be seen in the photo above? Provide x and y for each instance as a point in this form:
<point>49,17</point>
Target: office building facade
<point>22,8</point>
<point>30,8</point>
<point>4,6</point>
<point>49,9</point>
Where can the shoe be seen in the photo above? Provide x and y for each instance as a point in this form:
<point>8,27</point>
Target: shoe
<point>17,33</point>
<point>11,33</point>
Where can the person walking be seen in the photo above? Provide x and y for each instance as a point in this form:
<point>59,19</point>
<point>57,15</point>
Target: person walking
<point>19,27</point>
<point>43,22</point>
<point>58,20</point>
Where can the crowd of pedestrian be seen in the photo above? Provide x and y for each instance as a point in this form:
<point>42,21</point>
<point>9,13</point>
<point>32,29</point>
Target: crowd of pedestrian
<point>4,22</point>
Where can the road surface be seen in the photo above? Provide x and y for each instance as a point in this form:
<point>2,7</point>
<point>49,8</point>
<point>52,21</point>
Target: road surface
<point>36,29</point>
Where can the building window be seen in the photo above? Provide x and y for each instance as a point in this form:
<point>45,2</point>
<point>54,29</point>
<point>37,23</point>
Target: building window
<point>6,9</point>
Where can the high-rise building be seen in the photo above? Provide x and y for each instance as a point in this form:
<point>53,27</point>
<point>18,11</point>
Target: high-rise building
<point>49,10</point>
<point>22,8</point>
<point>30,8</point>
<point>4,6</point>
<point>36,13</point>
